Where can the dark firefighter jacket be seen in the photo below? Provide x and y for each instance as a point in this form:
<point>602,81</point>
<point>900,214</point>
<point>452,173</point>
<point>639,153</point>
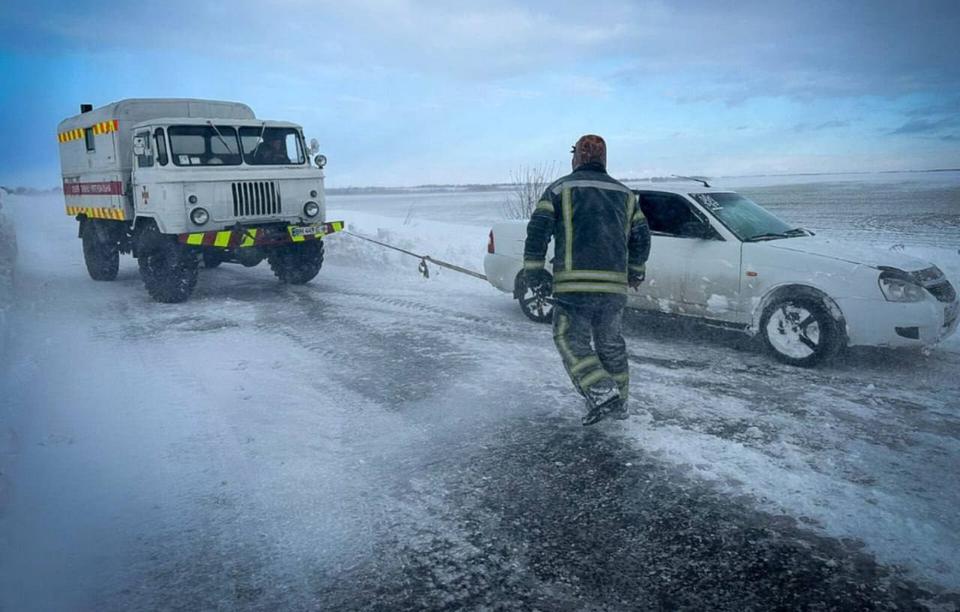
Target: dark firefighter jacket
<point>600,233</point>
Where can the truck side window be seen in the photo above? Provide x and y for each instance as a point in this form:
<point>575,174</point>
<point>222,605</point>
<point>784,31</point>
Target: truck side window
<point>88,139</point>
<point>145,160</point>
<point>161,143</point>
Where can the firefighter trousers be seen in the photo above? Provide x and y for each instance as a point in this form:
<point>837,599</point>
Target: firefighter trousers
<point>588,332</point>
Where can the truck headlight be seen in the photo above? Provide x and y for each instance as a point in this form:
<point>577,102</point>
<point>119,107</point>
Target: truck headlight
<point>896,288</point>
<point>199,216</point>
<point>311,209</point>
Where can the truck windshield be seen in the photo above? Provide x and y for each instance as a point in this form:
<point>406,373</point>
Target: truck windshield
<point>743,217</point>
<point>280,146</point>
<point>201,145</point>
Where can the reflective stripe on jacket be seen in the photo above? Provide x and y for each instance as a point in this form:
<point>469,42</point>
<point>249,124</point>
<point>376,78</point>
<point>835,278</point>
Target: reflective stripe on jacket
<point>600,233</point>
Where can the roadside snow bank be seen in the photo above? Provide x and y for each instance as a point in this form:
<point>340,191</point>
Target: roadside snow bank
<point>462,245</point>
<point>8,257</point>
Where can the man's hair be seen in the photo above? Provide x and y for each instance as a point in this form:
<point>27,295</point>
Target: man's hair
<point>590,149</point>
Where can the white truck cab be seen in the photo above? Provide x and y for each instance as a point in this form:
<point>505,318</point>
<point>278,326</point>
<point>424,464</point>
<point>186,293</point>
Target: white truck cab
<point>177,181</point>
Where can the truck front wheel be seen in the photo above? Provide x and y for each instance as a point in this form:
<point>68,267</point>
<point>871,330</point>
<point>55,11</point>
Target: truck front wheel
<point>297,263</point>
<point>101,252</point>
<point>169,271</point>
<point>212,259</point>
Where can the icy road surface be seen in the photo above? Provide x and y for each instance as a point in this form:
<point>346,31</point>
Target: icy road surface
<point>374,440</point>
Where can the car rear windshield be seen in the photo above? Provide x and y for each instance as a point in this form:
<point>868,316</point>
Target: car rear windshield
<point>740,215</point>
<point>202,145</point>
<point>271,146</point>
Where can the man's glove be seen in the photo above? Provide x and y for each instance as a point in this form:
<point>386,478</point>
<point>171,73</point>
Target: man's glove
<point>635,278</point>
<point>538,280</point>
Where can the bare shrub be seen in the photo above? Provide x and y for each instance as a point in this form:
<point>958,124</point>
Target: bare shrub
<point>526,186</point>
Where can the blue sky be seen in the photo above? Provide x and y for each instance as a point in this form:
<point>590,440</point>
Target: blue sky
<point>401,92</point>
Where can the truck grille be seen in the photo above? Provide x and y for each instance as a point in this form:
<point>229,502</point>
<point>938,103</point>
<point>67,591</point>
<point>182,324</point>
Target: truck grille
<point>255,199</point>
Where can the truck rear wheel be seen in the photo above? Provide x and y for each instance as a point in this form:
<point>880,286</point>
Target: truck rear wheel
<point>101,252</point>
<point>297,263</point>
<point>169,271</point>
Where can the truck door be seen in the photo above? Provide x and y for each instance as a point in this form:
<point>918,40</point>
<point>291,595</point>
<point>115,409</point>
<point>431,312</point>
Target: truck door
<point>149,157</point>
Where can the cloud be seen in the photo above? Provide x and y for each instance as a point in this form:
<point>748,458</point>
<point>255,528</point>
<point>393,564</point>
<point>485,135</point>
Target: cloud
<point>730,53</point>
<point>826,125</point>
<point>804,51</point>
<point>926,126</point>
<point>495,39</point>
<point>949,107</point>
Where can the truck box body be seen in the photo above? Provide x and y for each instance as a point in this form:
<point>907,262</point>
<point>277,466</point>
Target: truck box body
<point>96,149</point>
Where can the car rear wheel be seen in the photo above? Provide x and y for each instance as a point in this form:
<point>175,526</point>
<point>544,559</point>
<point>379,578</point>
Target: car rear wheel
<point>536,305</point>
<point>799,331</point>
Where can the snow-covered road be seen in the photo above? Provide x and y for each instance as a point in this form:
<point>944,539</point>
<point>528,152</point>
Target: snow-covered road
<point>376,440</point>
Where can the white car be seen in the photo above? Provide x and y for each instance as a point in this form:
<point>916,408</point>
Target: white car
<point>719,257</point>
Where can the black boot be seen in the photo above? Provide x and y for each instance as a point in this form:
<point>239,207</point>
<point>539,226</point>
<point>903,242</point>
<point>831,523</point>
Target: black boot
<point>615,408</point>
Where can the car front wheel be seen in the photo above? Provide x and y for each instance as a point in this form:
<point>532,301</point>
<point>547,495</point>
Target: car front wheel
<point>799,331</point>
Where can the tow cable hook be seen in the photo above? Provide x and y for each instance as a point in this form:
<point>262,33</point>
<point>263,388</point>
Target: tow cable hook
<point>422,267</point>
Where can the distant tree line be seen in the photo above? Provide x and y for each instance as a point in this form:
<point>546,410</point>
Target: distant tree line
<point>29,190</point>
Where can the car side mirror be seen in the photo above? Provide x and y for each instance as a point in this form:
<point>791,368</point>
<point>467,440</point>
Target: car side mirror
<point>314,146</point>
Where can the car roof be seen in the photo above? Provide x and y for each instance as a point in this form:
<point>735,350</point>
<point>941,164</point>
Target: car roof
<point>675,187</point>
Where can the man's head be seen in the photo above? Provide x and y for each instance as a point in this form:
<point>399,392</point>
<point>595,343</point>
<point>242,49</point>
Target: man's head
<point>590,149</point>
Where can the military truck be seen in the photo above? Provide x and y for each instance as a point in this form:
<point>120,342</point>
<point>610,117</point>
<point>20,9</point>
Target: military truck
<point>180,182</point>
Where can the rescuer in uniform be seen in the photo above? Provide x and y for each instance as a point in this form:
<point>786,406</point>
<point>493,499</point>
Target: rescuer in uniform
<point>601,243</point>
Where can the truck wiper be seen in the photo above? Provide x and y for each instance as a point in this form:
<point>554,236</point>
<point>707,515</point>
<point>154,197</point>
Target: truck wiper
<point>220,136</point>
<point>263,126</point>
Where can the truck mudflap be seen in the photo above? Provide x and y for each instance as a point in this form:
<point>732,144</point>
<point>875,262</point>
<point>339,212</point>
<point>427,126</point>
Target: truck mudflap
<point>242,237</point>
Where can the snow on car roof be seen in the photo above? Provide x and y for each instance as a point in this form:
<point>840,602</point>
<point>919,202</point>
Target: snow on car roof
<point>679,187</point>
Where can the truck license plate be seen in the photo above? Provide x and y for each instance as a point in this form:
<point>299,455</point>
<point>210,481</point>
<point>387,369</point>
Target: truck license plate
<point>310,230</point>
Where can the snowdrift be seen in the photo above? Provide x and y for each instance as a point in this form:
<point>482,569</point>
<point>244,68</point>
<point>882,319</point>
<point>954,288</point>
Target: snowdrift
<point>459,244</point>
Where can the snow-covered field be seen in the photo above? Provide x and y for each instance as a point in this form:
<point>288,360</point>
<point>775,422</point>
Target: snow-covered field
<point>260,444</point>
<point>8,258</point>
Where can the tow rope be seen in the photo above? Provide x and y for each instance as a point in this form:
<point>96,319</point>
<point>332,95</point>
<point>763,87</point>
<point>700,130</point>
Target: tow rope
<point>422,267</point>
